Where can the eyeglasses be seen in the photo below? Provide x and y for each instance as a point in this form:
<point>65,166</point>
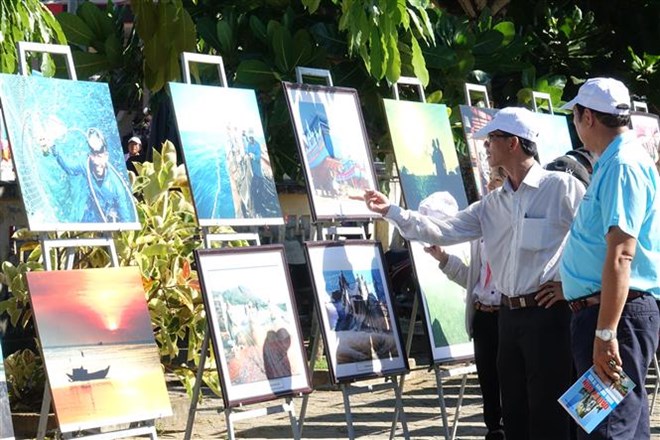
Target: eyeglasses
<point>497,135</point>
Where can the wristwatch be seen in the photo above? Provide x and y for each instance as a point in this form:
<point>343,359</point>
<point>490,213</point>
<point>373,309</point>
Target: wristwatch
<point>606,334</point>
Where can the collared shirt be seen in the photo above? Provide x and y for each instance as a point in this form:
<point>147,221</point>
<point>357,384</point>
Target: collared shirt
<point>624,193</point>
<point>523,230</point>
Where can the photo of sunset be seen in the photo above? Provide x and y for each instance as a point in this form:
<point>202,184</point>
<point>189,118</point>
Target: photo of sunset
<point>102,362</point>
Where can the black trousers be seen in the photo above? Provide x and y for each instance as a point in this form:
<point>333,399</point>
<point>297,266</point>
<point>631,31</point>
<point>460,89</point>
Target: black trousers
<point>535,368</point>
<point>485,338</point>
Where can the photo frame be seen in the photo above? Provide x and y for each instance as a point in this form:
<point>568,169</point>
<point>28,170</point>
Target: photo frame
<point>555,138</point>
<point>101,360</point>
<point>6,428</point>
<point>334,149</point>
<point>224,149</point>
<point>252,319</point>
<point>647,128</point>
<point>354,302</point>
<point>69,160</point>
<point>474,118</point>
<point>428,165</point>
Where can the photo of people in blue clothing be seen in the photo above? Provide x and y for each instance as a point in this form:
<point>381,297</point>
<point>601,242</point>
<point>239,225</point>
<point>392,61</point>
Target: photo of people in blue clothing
<point>67,154</point>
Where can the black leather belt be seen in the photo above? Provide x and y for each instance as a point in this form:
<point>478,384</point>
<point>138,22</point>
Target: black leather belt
<point>593,300</point>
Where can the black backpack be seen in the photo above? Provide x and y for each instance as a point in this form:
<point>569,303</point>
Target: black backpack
<point>579,163</point>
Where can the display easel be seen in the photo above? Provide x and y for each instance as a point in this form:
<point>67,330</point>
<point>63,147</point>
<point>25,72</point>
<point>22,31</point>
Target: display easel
<point>331,231</point>
<point>231,414</point>
<point>441,371</point>
<point>476,88</point>
<point>536,96</point>
<point>50,245</point>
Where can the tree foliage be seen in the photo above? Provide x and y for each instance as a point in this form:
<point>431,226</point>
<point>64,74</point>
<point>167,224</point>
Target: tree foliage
<point>26,20</point>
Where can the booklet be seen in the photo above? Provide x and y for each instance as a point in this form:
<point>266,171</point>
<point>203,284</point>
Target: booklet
<point>590,400</point>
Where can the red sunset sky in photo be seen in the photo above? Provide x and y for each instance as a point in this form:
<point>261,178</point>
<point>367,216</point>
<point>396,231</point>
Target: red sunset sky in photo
<point>91,306</point>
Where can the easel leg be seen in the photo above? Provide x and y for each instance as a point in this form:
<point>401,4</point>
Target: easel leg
<point>347,411</point>
<point>230,424</point>
<point>441,397</point>
<point>316,343</point>
<point>459,404</point>
<point>43,416</point>
<point>295,424</point>
<point>398,410</point>
<point>197,387</point>
<point>409,338</point>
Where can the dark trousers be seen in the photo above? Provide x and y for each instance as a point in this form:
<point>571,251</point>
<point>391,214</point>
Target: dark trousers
<point>535,368</point>
<point>637,335</point>
<point>485,338</point>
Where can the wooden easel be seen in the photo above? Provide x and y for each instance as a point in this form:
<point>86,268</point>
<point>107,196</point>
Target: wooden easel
<point>232,415</point>
<point>51,245</point>
<point>333,231</point>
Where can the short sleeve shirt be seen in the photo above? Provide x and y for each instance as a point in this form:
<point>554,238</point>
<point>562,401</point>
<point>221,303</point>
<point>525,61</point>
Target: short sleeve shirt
<point>623,193</point>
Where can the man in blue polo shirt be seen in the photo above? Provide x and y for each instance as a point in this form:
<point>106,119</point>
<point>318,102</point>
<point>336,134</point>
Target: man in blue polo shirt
<point>610,268</point>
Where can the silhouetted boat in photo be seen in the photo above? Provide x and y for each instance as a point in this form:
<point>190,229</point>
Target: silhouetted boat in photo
<point>81,374</point>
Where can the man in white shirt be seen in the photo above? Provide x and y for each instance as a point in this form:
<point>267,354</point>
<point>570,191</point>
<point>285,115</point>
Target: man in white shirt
<point>523,226</point>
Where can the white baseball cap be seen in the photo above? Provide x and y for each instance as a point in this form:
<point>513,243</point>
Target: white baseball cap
<point>517,121</point>
<point>440,204</point>
<point>135,139</point>
<point>606,95</point>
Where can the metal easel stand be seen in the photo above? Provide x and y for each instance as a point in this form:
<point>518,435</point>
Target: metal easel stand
<point>476,88</point>
<point>543,97</point>
<point>49,245</point>
<point>439,370</point>
<point>232,415</point>
<point>332,231</point>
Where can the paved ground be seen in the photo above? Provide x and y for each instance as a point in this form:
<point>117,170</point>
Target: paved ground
<point>372,414</point>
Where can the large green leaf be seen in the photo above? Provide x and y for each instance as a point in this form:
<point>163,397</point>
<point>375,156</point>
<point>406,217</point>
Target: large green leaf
<point>258,29</point>
<point>488,42</point>
<point>283,49</point>
<point>393,71</point>
<point>113,50</point>
<point>75,29</point>
<point>377,62</point>
<point>206,27</point>
<point>89,64</point>
<point>419,64</point>
<point>508,31</point>
<point>99,23</point>
<point>256,73</point>
<point>225,37</point>
<point>302,47</point>
<point>311,5</point>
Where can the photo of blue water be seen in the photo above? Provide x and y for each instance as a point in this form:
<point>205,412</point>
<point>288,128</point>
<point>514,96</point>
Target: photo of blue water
<point>224,149</point>
<point>67,153</point>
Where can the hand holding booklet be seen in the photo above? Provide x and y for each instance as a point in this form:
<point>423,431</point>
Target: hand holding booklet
<point>589,400</point>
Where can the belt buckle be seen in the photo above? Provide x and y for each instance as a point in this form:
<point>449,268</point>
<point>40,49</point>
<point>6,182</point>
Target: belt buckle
<point>522,303</point>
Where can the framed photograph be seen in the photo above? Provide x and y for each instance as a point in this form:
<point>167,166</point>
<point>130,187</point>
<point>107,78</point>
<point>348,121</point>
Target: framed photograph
<point>360,329</point>
<point>647,129</point>
<point>98,347</point>
<point>555,139</point>
<point>224,149</point>
<point>254,325</point>
<point>334,148</point>
<point>6,429</point>
<point>474,118</point>
<point>428,165</point>
<point>426,156</point>
<point>444,304</point>
<point>67,153</point>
